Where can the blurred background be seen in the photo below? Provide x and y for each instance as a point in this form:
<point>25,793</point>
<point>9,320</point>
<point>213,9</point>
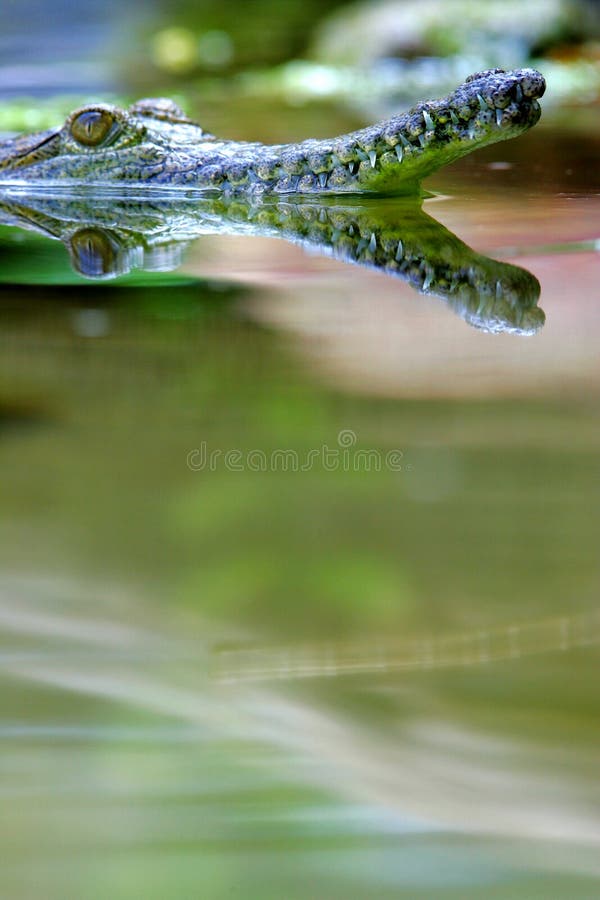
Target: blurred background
<point>343,681</point>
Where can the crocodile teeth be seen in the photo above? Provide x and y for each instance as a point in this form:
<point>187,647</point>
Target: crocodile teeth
<point>453,117</point>
<point>351,230</point>
<point>373,243</point>
<point>354,167</point>
<point>498,117</point>
<point>373,158</point>
<point>429,123</point>
<point>405,141</point>
<point>482,104</point>
<point>519,93</point>
<point>323,179</point>
<point>422,140</point>
<point>471,131</point>
<point>399,152</point>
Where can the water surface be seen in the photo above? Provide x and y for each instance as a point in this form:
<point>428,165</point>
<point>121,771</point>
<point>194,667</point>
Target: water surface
<point>297,670</point>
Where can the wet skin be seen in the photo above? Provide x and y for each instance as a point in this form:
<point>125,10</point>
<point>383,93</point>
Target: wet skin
<point>154,144</point>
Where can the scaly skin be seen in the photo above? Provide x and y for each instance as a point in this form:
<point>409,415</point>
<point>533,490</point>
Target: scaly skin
<point>106,236</point>
<point>154,144</point>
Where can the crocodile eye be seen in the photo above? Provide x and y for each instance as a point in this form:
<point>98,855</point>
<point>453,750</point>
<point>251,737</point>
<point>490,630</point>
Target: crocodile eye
<point>92,126</point>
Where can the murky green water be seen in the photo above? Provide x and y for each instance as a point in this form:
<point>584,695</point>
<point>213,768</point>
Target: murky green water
<point>299,570</point>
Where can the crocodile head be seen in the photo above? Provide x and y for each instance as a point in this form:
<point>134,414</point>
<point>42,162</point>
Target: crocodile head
<point>154,143</point>
<point>102,143</point>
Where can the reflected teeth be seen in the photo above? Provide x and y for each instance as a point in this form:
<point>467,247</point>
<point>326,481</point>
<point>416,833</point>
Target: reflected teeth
<point>373,158</point>
<point>399,251</point>
<point>373,243</point>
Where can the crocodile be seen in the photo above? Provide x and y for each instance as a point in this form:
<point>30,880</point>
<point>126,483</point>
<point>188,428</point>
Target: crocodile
<point>154,144</point>
<point>107,236</point>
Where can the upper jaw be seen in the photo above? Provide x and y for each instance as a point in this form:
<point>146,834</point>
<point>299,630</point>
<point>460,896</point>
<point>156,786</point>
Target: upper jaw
<point>512,95</point>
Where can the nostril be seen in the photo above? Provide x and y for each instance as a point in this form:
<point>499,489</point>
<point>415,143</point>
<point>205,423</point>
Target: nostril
<point>532,83</point>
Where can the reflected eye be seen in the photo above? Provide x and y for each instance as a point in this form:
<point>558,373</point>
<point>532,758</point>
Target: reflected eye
<point>94,254</point>
<point>92,126</point>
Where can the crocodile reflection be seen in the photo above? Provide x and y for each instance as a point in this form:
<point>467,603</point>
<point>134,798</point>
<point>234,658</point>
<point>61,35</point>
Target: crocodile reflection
<point>109,235</point>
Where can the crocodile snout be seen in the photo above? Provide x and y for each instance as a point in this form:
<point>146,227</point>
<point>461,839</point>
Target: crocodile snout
<point>531,82</point>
